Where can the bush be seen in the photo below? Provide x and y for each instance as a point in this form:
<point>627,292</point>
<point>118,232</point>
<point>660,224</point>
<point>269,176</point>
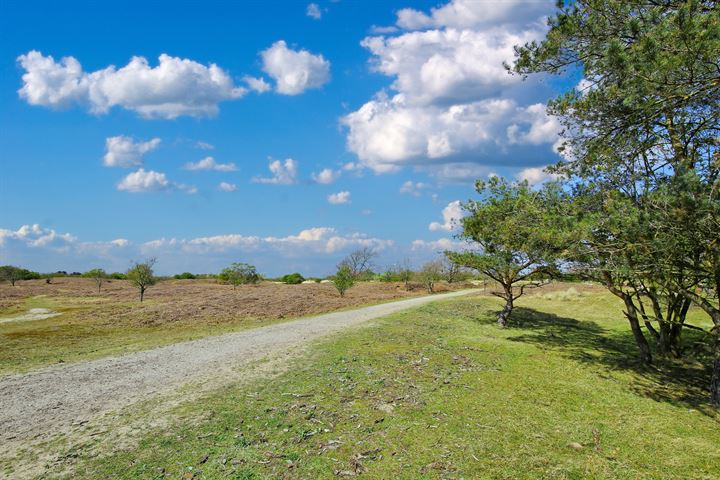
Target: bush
<point>239,274</point>
<point>184,276</point>
<point>292,278</point>
<point>117,276</point>
<point>431,272</point>
<point>13,274</point>
<point>344,279</point>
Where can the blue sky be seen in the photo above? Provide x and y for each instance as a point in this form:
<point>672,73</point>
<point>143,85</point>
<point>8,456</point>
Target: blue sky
<point>379,117</point>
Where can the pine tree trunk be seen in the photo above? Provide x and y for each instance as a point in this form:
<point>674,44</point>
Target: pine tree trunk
<point>715,380</point>
<point>640,340</point>
<point>504,315</point>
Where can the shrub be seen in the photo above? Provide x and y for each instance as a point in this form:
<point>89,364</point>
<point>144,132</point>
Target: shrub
<point>184,276</point>
<point>239,274</point>
<point>13,274</point>
<point>431,272</point>
<point>344,279</point>
<point>292,278</point>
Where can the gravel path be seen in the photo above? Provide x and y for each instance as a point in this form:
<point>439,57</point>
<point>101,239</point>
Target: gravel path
<point>52,400</point>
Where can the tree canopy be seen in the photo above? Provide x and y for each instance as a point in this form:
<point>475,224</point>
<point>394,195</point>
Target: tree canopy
<point>515,232</point>
<point>641,134</point>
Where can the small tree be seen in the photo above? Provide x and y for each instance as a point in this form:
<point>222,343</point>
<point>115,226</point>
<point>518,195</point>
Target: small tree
<point>405,272</point>
<point>451,270</point>
<point>431,273</point>
<point>141,275</point>
<point>97,274</point>
<point>360,261</point>
<point>520,231</point>
<point>344,279</point>
<point>10,274</point>
<point>239,274</point>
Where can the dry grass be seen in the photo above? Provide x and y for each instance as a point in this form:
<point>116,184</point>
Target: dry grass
<point>95,324</point>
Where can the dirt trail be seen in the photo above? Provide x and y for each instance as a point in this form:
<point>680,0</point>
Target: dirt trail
<point>49,402</point>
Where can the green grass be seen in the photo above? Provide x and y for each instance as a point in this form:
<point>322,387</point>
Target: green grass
<point>440,392</point>
<point>74,336</point>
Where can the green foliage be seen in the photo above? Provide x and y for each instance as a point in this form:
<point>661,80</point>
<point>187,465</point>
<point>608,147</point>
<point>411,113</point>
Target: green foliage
<point>292,278</point>
<point>344,279</point>
<point>519,232</point>
<point>184,276</point>
<point>117,276</point>
<point>642,143</point>
<point>97,274</point>
<point>239,274</point>
<point>12,274</point>
<point>141,275</point>
<point>452,395</point>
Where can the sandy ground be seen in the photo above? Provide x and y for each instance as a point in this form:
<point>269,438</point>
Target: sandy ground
<point>44,404</point>
<point>32,314</point>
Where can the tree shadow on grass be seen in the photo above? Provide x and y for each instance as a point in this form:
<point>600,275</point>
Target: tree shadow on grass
<point>683,383</point>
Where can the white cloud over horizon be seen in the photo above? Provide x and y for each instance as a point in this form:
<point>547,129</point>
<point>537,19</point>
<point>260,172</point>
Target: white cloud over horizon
<point>44,249</point>
<point>294,71</point>
<point>174,87</point>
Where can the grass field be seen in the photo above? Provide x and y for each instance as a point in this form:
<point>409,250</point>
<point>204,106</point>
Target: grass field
<point>441,392</point>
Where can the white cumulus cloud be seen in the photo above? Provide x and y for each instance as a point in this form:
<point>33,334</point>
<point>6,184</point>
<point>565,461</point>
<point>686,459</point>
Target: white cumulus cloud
<point>209,163</point>
<point>451,102</point>
<point>313,11</point>
<point>174,87</point>
<point>325,176</point>
<point>150,181</point>
<point>294,71</point>
<point>437,246</point>
<point>122,151</point>
<point>474,13</point>
<point>257,84</point>
<point>451,214</point>
<point>227,187</point>
<point>339,198</point>
<point>283,173</point>
<point>312,251</point>
<point>413,188</point>
<point>535,175</point>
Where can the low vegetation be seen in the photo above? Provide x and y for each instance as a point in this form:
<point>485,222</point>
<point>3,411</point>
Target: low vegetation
<point>343,279</point>
<point>94,324</point>
<point>239,274</point>
<point>292,278</point>
<point>441,392</point>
